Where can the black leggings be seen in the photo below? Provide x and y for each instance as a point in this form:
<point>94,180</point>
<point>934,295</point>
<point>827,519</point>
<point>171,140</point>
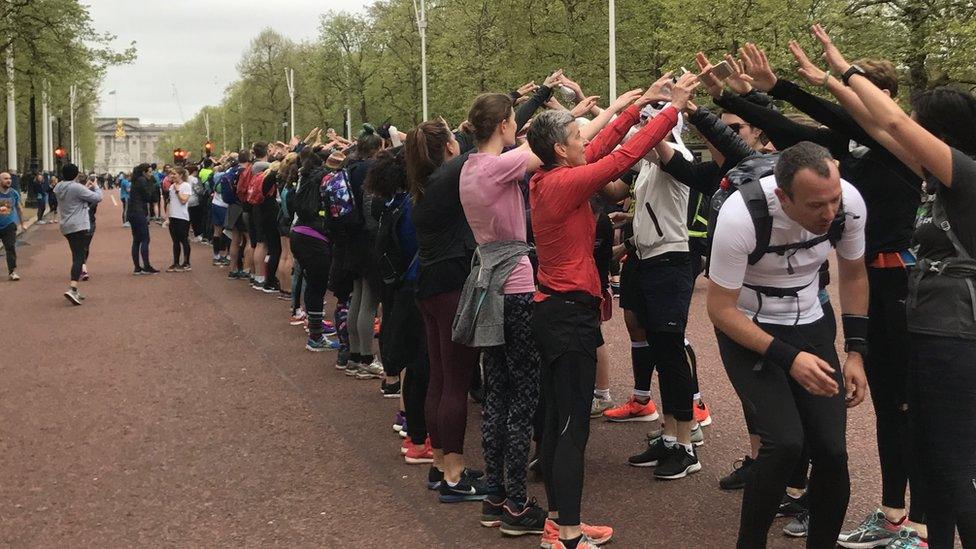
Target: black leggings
<point>78,242</point>
<point>273,241</point>
<point>315,257</point>
<point>886,366</point>
<point>666,351</point>
<point>403,343</point>
<point>8,236</point>
<point>942,399</point>
<point>196,218</point>
<point>179,231</point>
<point>139,225</point>
<point>785,416</point>
<point>512,383</point>
<point>568,335</point>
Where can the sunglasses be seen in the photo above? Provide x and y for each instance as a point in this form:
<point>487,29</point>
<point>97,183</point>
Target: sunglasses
<point>736,126</point>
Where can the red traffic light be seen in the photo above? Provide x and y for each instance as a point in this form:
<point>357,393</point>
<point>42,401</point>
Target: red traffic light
<point>208,147</point>
<point>59,152</point>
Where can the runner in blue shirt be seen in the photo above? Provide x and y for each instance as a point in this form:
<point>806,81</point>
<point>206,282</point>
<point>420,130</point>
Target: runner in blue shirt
<point>11,217</point>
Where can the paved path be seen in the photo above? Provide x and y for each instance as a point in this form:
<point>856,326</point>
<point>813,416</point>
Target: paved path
<point>182,410</point>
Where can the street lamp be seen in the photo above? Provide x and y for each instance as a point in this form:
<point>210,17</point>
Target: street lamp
<point>613,50</point>
<point>290,81</point>
<point>422,29</point>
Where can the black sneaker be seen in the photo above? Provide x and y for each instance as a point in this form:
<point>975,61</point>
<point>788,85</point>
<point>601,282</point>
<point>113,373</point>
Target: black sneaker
<point>435,476</point>
<point>150,270</point>
<point>678,463</point>
<point>798,527</point>
<point>138,272</point>
<point>790,506</point>
<point>656,450</point>
<point>185,267</point>
<point>390,390</point>
<point>736,480</point>
<point>271,288</point>
<point>491,511</point>
<point>519,519</point>
<point>465,490</point>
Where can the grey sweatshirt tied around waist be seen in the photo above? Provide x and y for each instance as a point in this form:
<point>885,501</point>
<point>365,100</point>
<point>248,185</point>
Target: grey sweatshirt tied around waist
<point>480,317</point>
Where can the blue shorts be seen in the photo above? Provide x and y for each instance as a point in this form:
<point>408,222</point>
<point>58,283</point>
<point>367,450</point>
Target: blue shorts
<point>219,214</point>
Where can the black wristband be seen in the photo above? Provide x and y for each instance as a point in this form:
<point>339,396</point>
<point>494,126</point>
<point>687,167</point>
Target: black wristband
<point>781,354</point>
<point>855,333</point>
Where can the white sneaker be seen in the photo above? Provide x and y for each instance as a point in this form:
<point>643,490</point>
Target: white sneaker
<point>599,406</point>
<point>14,277</point>
<point>370,371</point>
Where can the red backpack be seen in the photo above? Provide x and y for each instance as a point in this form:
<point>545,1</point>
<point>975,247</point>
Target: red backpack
<point>254,189</point>
<point>242,180</point>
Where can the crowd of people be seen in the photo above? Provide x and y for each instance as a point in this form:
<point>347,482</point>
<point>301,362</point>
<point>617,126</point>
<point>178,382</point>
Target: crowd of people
<point>488,255</point>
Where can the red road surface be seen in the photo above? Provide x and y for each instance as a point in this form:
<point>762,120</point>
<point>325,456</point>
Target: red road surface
<point>182,409</point>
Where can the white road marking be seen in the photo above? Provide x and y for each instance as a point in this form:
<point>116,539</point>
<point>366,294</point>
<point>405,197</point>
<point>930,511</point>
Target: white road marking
<point>112,196</point>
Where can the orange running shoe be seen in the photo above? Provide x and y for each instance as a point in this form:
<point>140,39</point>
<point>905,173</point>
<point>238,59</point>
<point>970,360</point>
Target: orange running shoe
<point>702,415</point>
<point>597,535</point>
<point>406,446</point>
<point>632,411</point>
<point>419,453</point>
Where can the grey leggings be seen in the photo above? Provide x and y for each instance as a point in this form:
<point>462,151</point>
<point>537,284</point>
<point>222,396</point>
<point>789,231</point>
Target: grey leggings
<point>362,312</point>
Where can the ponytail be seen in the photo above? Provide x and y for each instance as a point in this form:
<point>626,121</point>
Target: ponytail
<point>425,152</point>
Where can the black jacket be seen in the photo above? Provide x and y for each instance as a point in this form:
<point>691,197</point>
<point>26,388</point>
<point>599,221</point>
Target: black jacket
<point>140,195</point>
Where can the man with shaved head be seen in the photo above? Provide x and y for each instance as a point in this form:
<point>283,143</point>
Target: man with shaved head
<point>11,217</point>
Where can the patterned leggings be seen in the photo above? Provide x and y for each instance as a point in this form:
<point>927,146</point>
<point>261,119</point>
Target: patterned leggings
<point>512,384</point>
<point>341,319</point>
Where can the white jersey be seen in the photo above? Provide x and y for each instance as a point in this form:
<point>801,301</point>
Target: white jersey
<point>735,238</point>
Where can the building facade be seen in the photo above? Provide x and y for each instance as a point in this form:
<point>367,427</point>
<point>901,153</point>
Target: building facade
<point>122,143</point>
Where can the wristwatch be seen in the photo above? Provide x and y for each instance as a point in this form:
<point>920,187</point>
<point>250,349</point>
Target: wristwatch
<point>854,69</point>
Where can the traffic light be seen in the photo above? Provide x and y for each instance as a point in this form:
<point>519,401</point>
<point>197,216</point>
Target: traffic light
<point>59,152</point>
<point>208,148</point>
<point>179,157</point>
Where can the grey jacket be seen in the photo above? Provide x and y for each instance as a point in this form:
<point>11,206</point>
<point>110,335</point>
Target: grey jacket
<point>73,201</point>
<point>480,317</point>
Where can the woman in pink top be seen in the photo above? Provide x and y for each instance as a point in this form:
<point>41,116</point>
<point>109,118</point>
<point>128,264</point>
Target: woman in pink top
<point>495,208</point>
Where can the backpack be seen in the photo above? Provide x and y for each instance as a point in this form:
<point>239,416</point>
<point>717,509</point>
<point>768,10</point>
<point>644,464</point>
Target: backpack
<point>306,200</point>
<point>343,216</point>
<point>387,249</point>
<point>744,178</point>
<point>253,187</point>
<point>227,184</point>
<point>244,175</point>
<point>200,188</point>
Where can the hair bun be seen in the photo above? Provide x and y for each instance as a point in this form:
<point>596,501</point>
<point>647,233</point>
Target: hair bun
<point>368,129</point>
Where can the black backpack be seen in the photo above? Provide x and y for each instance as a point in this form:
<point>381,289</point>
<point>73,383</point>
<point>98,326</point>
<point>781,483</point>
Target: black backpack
<point>307,201</point>
<point>744,179</point>
<point>391,264</point>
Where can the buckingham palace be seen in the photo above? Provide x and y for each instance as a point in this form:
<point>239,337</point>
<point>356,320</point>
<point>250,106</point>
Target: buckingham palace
<point>121,143</point>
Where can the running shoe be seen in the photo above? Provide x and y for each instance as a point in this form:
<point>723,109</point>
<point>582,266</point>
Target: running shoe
<point>352,368</point>
<point>907,539</point>
<point>390,390</point>
<point>399,420</point>
<point>466,489</point>
<point>342,360</point>
<point>85,276</point>
<point>797,528</point>
<point>419,453</point>
<point>374,370</point>
<point>492,509</point>
<point>874,531</point>
<point>597,534</point>
<point>73,296</point>
<point>126,225</point>
<point>328,328</point>
<point>285,296</point>
<point>790,506</point>
<point>655,452</point>
<point>271,288</point>
<point>584,543</point>
<point>14,277</point>
<point>174,268</point>
<point>297,319</point>
<point>435,476</point>
<point>185,267</point>
<point>702,415</point>
<point>217,262</point>
<point>736,480</point>
<point>257,286</point>
<point>523,518</point>
<point>599,406</point>
<point>322,344</point>
<point>150,270</point>
<point>236,275</point>
<point>632,411</point>
<point>678,463</point>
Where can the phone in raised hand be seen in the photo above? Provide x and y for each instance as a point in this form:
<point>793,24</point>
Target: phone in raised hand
<point>722,71</point>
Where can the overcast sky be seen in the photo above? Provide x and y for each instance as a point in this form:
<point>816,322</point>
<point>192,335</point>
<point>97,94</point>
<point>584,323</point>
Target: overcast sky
<point>194,44</point>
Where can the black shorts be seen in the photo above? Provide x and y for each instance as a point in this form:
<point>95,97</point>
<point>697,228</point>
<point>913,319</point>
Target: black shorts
<point>658,291</point>
<point>255,228</point>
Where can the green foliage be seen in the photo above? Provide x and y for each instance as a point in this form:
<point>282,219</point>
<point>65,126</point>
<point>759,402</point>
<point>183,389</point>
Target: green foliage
<point>371,62</point>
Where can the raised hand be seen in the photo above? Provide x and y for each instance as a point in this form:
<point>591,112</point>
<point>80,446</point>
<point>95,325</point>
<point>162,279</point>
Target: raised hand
<point>584,106</point>
<point>739,82</point>
<point>684,90</point>
<point>569,83</point>
<point>527,88</point>
<point>553,78</point>
<point>660,90</point>
<point>554,104</point>
<point>806,69</point>
<point>624,100</point>
<point>756,65</point>
<point>831,54</point>
<point>706,77</point>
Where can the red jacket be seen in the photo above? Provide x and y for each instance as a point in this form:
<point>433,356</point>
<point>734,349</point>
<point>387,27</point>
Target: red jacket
<point>562,220</point>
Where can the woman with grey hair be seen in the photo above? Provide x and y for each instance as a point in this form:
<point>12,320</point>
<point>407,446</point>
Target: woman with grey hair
<point>567,329</point>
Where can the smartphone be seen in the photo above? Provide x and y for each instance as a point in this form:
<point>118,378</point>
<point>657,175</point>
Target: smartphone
<point>722,71</point>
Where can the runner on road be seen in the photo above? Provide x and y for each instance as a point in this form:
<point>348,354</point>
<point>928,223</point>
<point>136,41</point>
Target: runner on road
<point>11,217</point>
<point>75,199</point>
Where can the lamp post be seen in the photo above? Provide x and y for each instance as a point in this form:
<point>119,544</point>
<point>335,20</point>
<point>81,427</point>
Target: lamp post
<point>11,113</point>
<point>290,80</point>
<point>613,50</point>
<point>72,95</point>
<point>422,29</point>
